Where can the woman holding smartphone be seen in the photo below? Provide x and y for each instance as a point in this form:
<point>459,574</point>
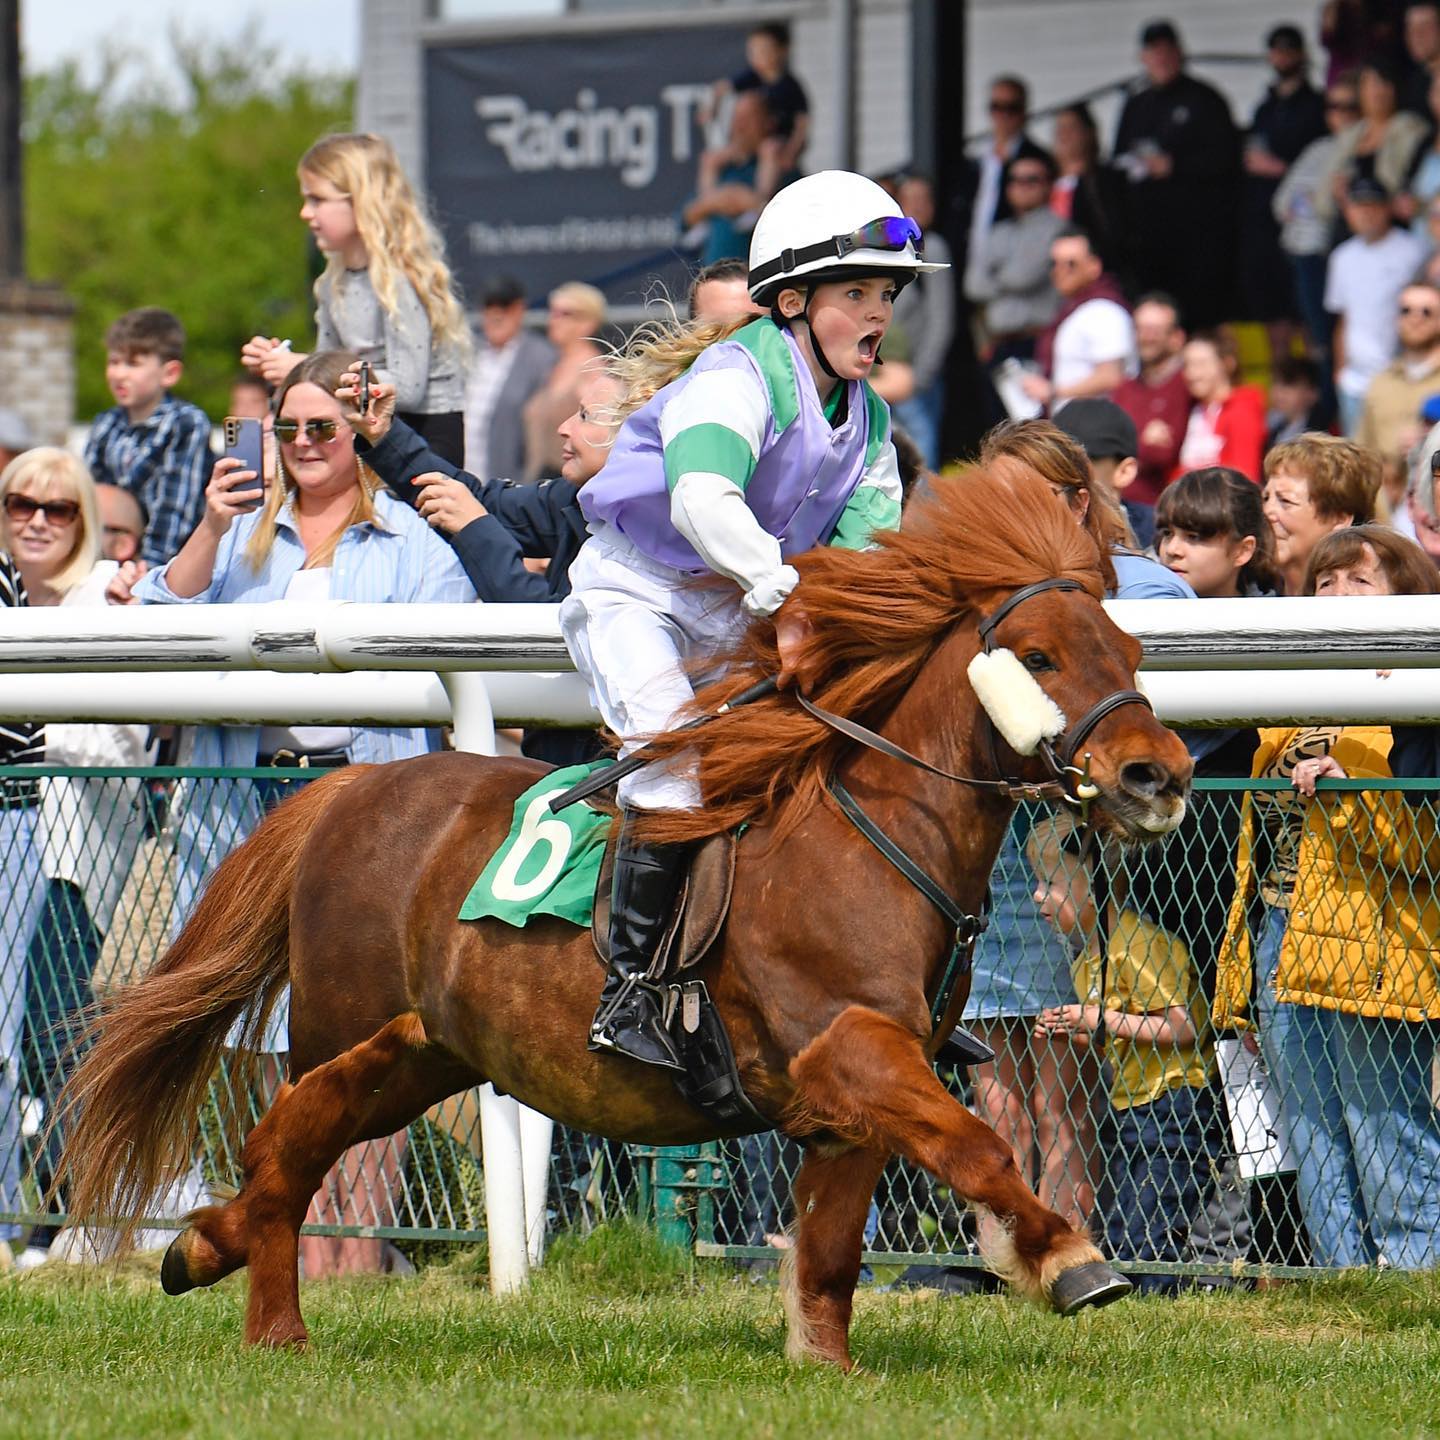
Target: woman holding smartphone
<point>326,530</point>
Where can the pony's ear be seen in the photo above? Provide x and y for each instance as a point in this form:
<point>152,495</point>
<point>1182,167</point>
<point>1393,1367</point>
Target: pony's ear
<point>1021,711</point>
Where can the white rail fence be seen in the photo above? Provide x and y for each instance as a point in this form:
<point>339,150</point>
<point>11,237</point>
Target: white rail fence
<point>1213,662</point>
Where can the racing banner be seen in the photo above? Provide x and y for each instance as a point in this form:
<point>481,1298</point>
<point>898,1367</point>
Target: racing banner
<point>569,157</point>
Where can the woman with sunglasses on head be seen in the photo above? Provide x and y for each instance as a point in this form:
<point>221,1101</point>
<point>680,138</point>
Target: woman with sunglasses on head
<point>744,442</point>
<point>87,830</point>
<point>325,530</point>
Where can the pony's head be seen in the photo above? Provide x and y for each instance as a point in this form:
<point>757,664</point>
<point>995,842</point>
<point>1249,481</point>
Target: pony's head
<point>894,630</point>
<point>1055,678</point>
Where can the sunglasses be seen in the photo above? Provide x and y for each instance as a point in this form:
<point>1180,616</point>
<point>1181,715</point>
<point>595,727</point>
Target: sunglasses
<point>319,432</point>
<point>56,512</point>
<point>1006,107</point>
<point>890,232</point>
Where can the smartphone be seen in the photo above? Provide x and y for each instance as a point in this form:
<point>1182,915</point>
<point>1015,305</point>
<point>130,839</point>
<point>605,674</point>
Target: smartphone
<point>362,388</point>
<point>245,440</point>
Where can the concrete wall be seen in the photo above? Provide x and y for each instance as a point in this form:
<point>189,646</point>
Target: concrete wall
<point>1064,48</point>
<point>37,358</point>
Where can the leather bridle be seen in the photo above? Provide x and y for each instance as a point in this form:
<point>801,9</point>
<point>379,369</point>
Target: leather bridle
<point>1069,783</point>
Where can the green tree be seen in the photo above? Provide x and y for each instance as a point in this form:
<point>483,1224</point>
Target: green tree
<point>138,195</point>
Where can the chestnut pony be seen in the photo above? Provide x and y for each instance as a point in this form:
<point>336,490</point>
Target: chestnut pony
<point>350,890</point>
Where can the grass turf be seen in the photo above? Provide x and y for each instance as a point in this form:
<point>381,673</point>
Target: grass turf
<point>618,1337</point>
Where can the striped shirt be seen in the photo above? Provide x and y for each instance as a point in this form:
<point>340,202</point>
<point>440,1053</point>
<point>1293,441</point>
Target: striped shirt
<point>164,461</point>
<point>21,743</point>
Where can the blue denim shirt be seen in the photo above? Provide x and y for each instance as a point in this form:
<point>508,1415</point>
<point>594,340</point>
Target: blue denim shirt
<point>397,559</point>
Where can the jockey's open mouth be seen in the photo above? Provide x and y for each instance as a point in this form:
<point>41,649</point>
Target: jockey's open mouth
<point>868,346</point>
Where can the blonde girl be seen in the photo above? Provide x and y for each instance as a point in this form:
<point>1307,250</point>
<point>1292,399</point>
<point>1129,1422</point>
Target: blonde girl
<point>386,295</point>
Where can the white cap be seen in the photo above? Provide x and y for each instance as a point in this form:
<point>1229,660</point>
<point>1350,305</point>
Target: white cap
<point>808,227</point>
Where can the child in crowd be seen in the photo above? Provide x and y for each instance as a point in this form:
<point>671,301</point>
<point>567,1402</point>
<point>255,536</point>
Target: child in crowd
<point>743,444</point>
<point>150,443</point>
<point>1144,1003</point>
<point>767,69</point>
<point>1295,393</point>
<point>1210,530</point>
<point>1111,443</point>
<point>386,294</point>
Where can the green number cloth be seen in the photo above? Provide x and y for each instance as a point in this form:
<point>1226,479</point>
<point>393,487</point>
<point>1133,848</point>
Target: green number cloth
<point>549,864</point>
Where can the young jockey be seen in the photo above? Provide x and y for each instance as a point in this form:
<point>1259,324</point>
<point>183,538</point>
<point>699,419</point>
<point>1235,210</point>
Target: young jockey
<point>741,447</point>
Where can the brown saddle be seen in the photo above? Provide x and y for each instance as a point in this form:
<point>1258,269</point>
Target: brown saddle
<point>699,915</point>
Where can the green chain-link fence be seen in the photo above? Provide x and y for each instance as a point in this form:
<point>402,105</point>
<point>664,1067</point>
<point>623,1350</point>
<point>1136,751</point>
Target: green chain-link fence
<point>1304,1136</point>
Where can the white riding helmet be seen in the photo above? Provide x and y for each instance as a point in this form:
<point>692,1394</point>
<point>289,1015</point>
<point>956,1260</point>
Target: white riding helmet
<point>830,224</point>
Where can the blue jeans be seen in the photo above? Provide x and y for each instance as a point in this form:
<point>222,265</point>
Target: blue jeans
<point>919,417</point>
<point>1162,1158</point>
<point>1355,1093</point>
<point>22,896</point>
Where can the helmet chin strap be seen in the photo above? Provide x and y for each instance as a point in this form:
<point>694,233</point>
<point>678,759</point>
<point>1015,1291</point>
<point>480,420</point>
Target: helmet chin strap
<point>815,345</point>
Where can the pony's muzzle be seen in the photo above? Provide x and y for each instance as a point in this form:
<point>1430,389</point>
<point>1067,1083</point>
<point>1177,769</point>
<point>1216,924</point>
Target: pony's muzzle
<point>1148,780</point>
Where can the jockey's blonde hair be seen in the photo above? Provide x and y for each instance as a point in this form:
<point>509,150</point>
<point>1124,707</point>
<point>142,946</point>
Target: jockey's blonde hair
<point>663,350</point>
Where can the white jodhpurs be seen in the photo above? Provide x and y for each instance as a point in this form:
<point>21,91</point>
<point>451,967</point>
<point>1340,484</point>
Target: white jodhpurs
<point>636,629</point>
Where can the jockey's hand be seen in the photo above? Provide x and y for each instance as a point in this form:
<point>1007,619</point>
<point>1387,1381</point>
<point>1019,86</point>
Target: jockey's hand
<point>793,634</point>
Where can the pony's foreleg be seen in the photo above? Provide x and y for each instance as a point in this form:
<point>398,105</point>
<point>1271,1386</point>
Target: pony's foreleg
<point>817,1276</point>
<point>285,1159</point>
<point>866,1079</point>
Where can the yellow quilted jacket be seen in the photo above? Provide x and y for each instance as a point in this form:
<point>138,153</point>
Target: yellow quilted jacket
<point>1364,933</point>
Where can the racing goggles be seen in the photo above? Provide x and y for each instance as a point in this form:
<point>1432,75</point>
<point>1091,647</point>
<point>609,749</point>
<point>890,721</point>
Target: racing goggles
<point>890,232</point>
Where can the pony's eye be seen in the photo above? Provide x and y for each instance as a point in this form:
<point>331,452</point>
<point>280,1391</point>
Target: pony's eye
<point>1037,661</point>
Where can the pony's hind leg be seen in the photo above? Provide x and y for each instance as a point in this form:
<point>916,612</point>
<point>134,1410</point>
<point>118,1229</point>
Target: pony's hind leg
<point>285,1159</point>
<point>818,1275</point>
<point>866,1079</point>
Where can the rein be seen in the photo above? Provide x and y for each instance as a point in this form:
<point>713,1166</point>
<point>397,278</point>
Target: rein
<point>1059,756</point>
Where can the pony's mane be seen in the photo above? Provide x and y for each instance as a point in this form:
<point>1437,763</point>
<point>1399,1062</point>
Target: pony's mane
<point>877,616</point>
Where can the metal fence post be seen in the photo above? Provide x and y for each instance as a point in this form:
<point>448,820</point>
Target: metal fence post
<point>515,1140</point>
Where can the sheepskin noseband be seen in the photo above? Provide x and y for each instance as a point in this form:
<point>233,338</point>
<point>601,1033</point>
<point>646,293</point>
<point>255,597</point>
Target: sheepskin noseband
<point>1020,710</point>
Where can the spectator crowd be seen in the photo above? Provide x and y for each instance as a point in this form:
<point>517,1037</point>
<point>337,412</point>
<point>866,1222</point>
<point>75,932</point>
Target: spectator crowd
<point>1218,342</point>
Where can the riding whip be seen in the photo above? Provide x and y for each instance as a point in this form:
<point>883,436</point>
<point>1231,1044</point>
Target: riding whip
<point>607,776</point>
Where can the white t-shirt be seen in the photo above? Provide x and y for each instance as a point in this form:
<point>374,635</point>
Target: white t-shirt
<point>1362,286</point>
<point>306,587</point>
<point>1098,331</point>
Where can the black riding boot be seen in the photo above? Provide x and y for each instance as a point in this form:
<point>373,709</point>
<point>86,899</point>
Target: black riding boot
<point>642,904</point>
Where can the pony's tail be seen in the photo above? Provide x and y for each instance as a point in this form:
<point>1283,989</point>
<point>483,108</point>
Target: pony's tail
<point>130,1113</point>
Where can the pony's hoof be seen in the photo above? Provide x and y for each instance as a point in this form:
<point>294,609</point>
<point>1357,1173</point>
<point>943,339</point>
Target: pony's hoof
<point>1092,1284</point>
<point>174,1272</point>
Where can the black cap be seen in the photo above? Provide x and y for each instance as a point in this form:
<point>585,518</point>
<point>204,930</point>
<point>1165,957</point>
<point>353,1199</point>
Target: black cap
<point>1285,37</point>
<point>1159,32</point>
<point>501,290</point>
<point>1367,190</point>
<point>1104,430</point>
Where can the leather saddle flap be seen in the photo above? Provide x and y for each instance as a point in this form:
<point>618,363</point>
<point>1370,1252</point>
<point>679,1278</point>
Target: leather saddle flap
<point>704,903</point>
